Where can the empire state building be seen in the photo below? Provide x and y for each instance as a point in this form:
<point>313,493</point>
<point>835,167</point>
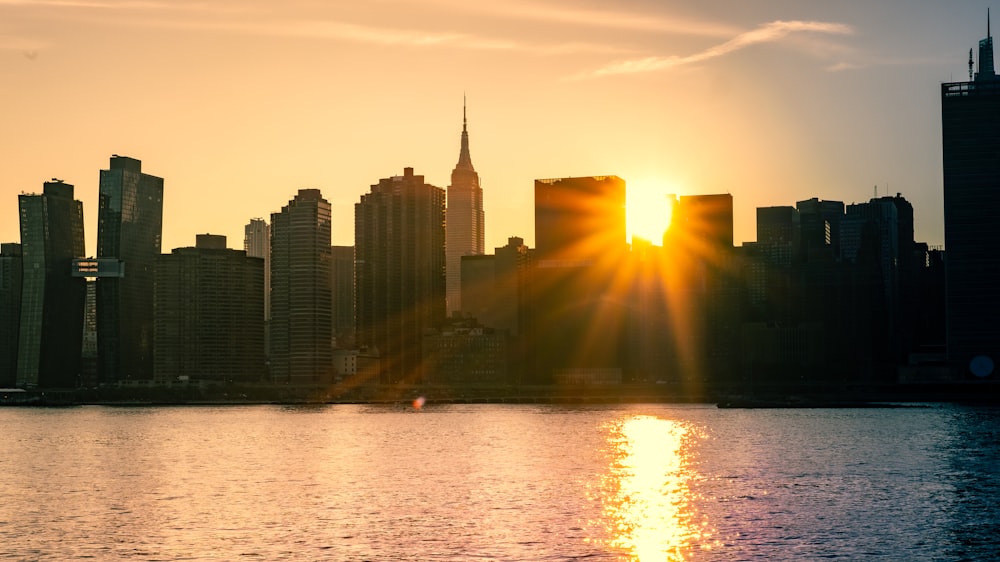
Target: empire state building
<point>464,220</point>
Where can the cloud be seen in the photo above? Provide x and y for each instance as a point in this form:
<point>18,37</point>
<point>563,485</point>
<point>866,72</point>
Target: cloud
<point>766,33</point>
<point>613,19</point>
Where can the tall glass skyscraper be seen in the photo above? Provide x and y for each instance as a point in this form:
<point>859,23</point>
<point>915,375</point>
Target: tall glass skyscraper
<point>129,228</point>
<point>465,223</point>
<point>10,311</point>
<point>52,300</point>
<point>970,126</point>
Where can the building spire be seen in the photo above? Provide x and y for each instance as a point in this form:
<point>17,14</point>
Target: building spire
<point>464,159</point>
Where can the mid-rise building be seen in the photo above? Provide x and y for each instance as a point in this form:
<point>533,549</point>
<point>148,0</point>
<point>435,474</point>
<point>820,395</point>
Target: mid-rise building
<point>52,300</point>
<point>129,229</point>
<point>970,127</point>
<point>301,329</point>
<point>465,220</point>
<point>399,233</point>
<point>342,282</point>
<point>10,311</point>
<point>209,314</point>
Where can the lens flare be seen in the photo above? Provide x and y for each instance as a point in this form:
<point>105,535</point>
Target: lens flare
<point>418,402</point>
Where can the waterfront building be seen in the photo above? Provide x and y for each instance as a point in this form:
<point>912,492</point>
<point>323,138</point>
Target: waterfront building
<point>10,311</point>
<point>301,329</point>
<point>465,224</point>
<point>970,127</point>
<point>342,283</point>
<point>465,353</point>
<point>129,230</point>
<point>52,300</point>
<point>494,286</point>
<point>399,233</point>
<point>257,244</point>
<point>209,305</point>
<point>577,303</point>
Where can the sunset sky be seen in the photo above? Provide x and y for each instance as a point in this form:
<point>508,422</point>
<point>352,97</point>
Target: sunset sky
<point>237,104</point>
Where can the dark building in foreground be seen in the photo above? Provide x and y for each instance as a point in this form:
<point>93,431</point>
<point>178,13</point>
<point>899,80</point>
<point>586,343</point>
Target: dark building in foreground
<point>209,314</point>
<point>10,311</point>
<point>129,227</point>
<point>300,328</point>
<point>399,234</point>
<point>52,300</point>
<point>577,303</point>
<point>970,123</point>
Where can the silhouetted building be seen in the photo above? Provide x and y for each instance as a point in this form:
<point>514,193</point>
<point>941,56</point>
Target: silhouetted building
<point>52,300</point>
<point>465,224</point>
<point>820,227</point>
<point>465,353</point>
<point>10,311</point>
<point>129,228</point>
<point>494,286</point>
<point>301,327</point>
<point>342,281</point>
<point>578,298</point>
<point>399,234</point>
<point>705,291</point>
<point>257,244</point>
<point>970,126</point>
<point>88,352</point>
<point>209,314</point>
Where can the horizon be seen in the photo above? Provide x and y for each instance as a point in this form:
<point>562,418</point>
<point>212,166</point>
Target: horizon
<point>238,106</point>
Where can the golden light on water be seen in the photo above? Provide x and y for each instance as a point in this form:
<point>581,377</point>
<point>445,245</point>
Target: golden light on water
<point>647,505</point>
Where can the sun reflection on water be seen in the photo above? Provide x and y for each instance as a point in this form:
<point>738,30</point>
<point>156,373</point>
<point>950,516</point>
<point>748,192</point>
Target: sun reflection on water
<point>648,513</point>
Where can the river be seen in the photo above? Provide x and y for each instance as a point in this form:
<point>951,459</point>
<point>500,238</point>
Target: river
<point>499,482</point>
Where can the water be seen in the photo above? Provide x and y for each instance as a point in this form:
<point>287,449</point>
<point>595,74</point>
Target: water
<point>499,482</point>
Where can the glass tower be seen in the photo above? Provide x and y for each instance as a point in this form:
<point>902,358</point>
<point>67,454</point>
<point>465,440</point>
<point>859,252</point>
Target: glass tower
<point>129,227</point>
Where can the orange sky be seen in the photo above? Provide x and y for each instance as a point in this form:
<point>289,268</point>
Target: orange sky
<point>237,104</point>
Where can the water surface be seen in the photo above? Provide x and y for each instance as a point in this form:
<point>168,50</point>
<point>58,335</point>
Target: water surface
<point>499,482</point>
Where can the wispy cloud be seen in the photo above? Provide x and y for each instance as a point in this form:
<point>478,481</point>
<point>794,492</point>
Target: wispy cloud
<point>611,19</point>
<point>766,33</point>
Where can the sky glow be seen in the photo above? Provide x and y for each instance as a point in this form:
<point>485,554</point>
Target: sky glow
<point>238,104</point>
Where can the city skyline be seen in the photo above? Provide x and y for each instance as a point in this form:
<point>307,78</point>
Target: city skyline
<point>237,104</point>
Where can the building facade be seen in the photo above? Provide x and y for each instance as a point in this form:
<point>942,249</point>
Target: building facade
<point>301,330</point>
<point>578,297</point>
<point>209,305</point>
<point>10,311</point>
<point>52,300</point>
<point>129,229</point>
<point>342,282</point>
<point>465,220</point>
<point>970,127</point>
<point>399,234</point>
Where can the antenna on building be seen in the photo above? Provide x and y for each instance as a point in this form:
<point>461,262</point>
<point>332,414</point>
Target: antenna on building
<point>971,64</point>
<point>876,191</point>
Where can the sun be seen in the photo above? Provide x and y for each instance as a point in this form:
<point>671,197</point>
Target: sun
<point>647,212</point>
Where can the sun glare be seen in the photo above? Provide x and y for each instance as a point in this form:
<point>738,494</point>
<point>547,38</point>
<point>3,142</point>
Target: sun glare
<point>647,212</point>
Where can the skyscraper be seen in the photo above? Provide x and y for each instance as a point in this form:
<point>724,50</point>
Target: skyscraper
<point>52,300</point>
<point>257,244</point>
<point>209,314</point>
<point>300,328</point>
<point>129,226</point>
<point>465,220</point>
<point>10,311</point>
<point>970,126</point>
<point>342,282</point>
<point>399,234</point>
<point>578,295</point>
